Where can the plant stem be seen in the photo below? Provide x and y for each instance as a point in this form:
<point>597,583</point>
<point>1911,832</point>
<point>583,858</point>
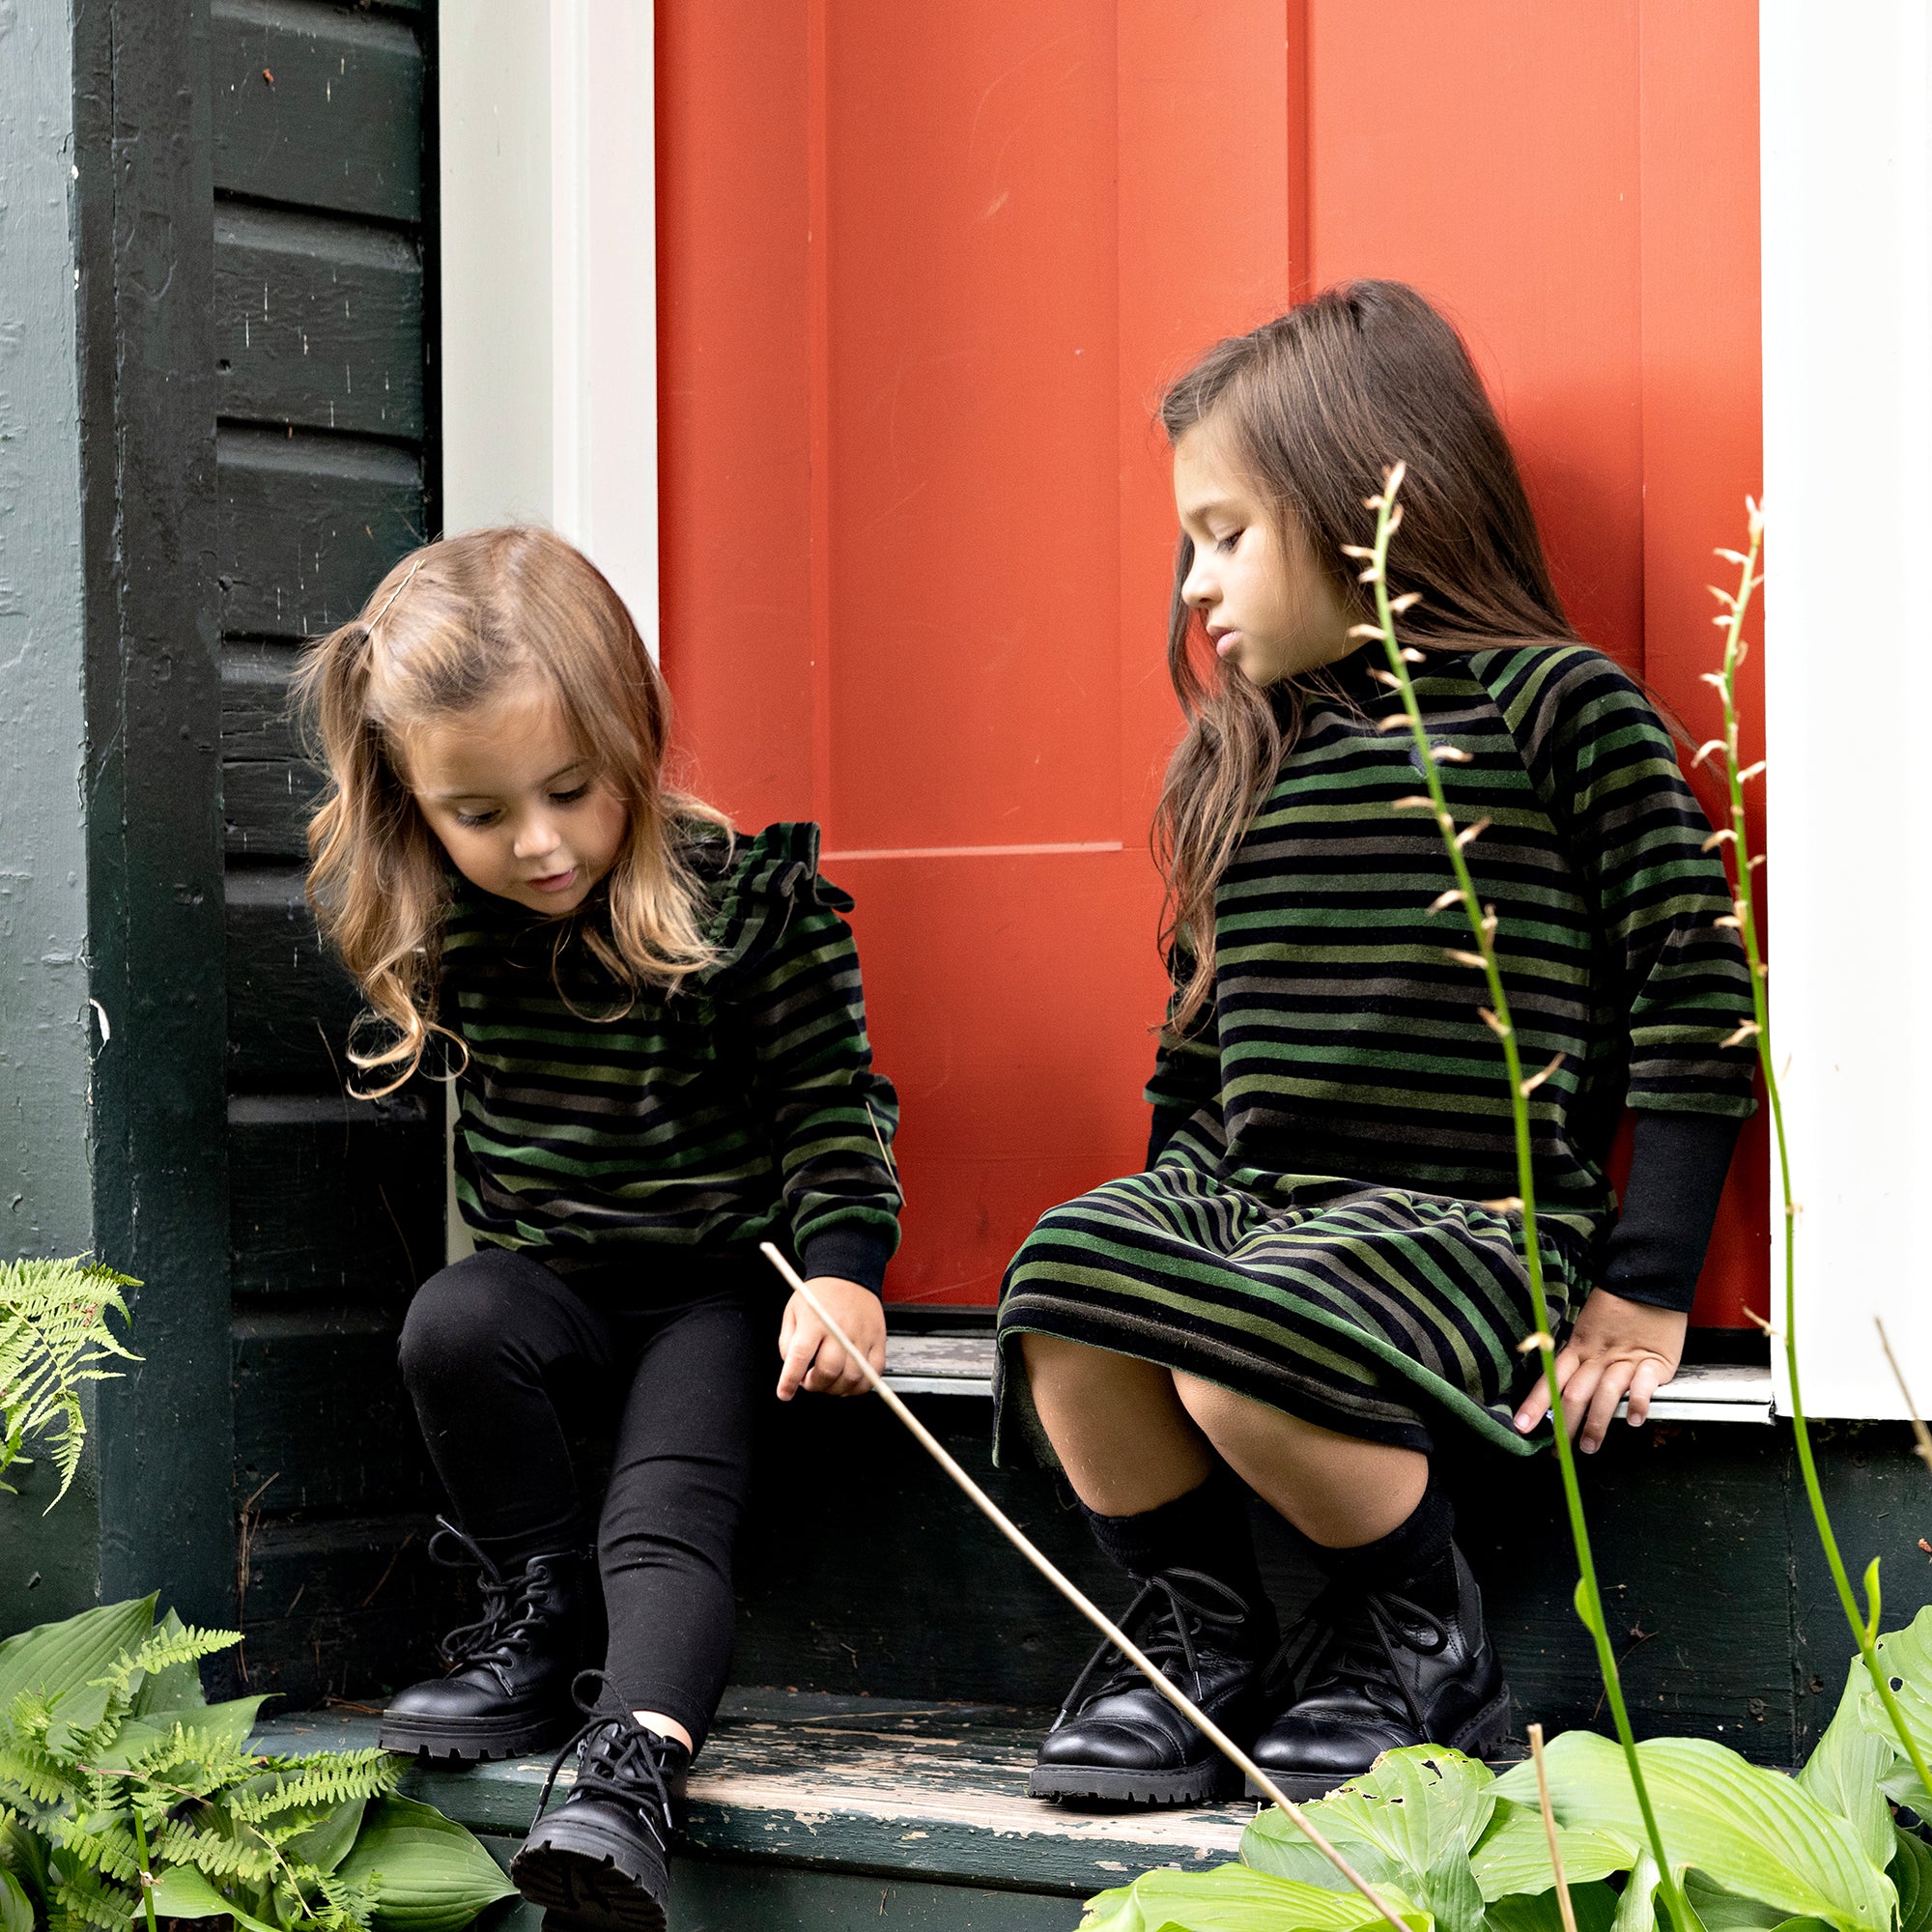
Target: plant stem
<point>1483,927</point>
<point>1863,1627</point>
<point>1094,1615</point>
<point>1563,1904</point>
<point>147,1876</point>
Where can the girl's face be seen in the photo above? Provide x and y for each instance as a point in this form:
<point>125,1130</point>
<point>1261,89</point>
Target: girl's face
<point>516,802</point>
<point>1267,606</point>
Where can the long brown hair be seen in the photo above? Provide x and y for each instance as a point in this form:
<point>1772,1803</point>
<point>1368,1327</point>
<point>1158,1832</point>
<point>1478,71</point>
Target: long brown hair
<point>1315,406</point>
<point>450,627</point>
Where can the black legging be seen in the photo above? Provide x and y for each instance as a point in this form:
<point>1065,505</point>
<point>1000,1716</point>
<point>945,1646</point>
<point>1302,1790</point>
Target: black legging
<point>497,1351</point>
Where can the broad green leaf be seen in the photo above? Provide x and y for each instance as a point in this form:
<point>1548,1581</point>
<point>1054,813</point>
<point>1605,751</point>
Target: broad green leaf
<point>58,1660</point>
<point>1587,1617</point>
<point>129,1741</point>
<point>24,1853</point>
<point>1843,1773</point>
<point>325,1843</point>
<point>1749,1829</point>
<point>430,1874</point>
<point>183,1893</point>
<point>1905,1658</point>
<point>1233,1898</point>
<point>1514,1855</point>
<point>177,1691</point>
<point>1636,1909</point>
<point>1872,1598</point>
<point>1723,1910</point>
<point>1911,1871</point>
<point>16,1910</point>
<point>1595,1906</point>
<point>1411,1820</point>
<point>231,1722</point>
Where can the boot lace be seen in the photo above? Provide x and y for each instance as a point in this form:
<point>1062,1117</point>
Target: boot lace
<point>1351,1638</point>
<point>618,1758</point>
<point>1169,1622</point>
<point>510,1612</point>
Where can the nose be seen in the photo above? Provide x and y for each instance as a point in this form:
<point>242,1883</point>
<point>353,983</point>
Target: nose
<point>536,835</point>
<point>1196,590</point>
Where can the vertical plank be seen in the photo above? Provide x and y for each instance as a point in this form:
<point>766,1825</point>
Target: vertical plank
<point>143,152</point>
<point>1703,452</point>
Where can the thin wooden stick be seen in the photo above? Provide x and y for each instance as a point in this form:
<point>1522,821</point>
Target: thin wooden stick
<point>1919,1429</point>
<point>1093,1614</point>
<point>1550,1829</point>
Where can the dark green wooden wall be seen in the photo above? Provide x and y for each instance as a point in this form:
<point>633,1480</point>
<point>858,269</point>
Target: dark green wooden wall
<point>325,471</point>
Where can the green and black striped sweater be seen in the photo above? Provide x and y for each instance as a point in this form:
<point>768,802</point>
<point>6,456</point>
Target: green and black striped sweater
<point>1342,1041</point>
<point>741,1107</point>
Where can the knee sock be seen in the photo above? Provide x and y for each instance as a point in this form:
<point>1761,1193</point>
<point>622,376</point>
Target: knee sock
<point>1206,1529</point>
<point>1412,1558</point>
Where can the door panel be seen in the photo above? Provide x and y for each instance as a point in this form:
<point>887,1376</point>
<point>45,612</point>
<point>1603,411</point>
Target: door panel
<point>922,274</point>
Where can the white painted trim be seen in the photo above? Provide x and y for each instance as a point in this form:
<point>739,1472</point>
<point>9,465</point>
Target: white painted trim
<point>549,194</point>
<point>1846,104</point>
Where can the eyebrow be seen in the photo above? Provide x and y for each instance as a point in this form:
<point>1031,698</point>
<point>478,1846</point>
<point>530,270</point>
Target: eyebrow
<point>1224,505</point>
<point>459,797</point>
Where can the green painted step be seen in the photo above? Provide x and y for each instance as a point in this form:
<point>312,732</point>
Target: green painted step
<point>917,1810</point>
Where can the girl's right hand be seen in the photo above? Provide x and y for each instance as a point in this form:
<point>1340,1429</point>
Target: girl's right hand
<point>813,1359</point>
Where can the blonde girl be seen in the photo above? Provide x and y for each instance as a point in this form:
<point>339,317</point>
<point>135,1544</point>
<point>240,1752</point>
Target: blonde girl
<point>659,1044</point>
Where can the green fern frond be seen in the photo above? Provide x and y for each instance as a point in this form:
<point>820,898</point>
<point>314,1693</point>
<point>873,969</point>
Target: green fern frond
<point>195,1763</point>
<point>211,1854</point>
<point>39,1778</point>
<point>54,1333</point>
<point>189,1644</point>
<point>101,1843</point>
<point>90,1900</point>
<point>316,1782</point>
<point>350,1904</point>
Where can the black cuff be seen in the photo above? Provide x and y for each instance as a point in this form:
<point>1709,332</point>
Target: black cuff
<point>852,1252</point>
<point>1167,1122</point>
<point>1678,1164</point>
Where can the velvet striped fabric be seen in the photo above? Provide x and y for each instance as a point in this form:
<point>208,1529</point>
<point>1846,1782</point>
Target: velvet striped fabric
<point>742,1107</point>
<point>1312,1235</point>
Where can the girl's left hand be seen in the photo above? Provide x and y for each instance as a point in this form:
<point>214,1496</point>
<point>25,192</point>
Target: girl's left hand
<point>812,1358</point>
<point>1617,1348</point>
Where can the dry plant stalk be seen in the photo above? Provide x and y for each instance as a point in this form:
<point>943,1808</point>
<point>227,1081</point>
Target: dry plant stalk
<point>1563,1904</point>
<point>1496,1017</point>
<point>1920,1435</point>
<point>1744,918</point>
<point>1078,1598</point>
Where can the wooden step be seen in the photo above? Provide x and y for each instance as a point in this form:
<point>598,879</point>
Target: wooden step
<point>886,1789</point>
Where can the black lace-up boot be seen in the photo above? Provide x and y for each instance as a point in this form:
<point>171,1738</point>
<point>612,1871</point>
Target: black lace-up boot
<point>1380,1668</point>
<point>602,1858</point>
<point>506,1692</point>
<point>1117,1738</point>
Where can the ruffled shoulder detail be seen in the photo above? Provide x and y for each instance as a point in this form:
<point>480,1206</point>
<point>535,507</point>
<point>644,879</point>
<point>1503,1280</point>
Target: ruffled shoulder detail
<point>758,885</point>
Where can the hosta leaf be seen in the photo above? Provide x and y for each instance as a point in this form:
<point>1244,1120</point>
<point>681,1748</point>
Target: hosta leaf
<point>1843,1773</point>
<point>1636,1908</point>
<point>1410,1821</point>
<point>183,1893</point>
<point>58,1660</point>
<point>325,1843</point>
<point>431,1875</point>
<point>1749,1829</point>
<point>1514,1855</point>
<point>1233,1898</point>
<point>16,1910</point>
<point>1911,1871</point>
<point>1595,1907</point>
<point>1905,1658</point>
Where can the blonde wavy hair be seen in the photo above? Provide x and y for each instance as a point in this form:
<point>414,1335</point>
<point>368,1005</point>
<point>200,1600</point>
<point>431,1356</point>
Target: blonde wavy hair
<point>451,627</point>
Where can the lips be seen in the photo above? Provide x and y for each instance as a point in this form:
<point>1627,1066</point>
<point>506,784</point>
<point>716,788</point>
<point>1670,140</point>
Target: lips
<point>1224,642</point>
<point>553,882</point>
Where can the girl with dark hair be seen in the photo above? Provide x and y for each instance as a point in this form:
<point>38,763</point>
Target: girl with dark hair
<point>1320,1270</point>
<point>661,1061</point>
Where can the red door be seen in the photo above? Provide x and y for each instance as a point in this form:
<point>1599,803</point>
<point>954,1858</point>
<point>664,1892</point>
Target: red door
<point>923,272</point>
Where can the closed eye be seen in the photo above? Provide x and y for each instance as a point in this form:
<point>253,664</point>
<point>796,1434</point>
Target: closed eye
<point>571,796</point>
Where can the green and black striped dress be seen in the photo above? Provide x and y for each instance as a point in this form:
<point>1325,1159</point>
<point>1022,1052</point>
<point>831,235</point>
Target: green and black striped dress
<point>1312,1233</point>
<point>599,1129</point>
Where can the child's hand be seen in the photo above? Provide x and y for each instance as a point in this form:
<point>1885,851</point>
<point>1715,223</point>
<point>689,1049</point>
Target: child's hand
<point>1617,1348</point>
<point>813,1359</point>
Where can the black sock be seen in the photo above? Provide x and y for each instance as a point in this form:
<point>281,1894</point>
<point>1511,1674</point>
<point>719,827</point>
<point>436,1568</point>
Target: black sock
<point>1206,1529</point>
<point>1412,1558</point>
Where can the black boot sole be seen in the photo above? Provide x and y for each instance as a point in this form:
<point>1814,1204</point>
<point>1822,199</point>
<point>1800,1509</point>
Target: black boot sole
<point>1197,1784</point>
<point>587,1881</point>
<point>475,1740</point>
<point>1482,1737</point>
